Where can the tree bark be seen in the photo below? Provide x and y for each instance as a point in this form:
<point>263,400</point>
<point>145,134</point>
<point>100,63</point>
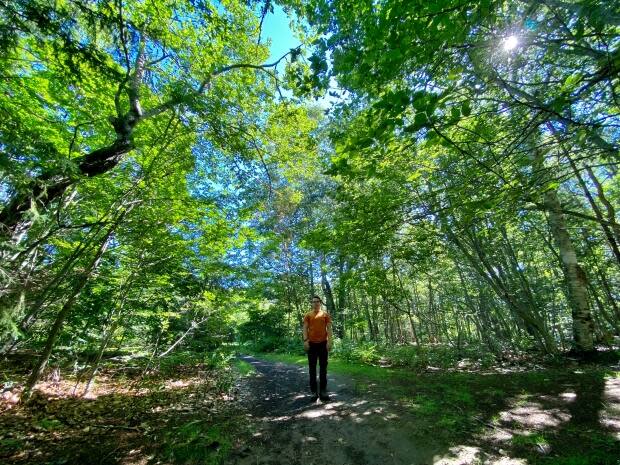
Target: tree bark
<point>327,290</point>
<point>576,279</point>
<point>112,326</point>
<point>37,306</point>
<point>49,186</point>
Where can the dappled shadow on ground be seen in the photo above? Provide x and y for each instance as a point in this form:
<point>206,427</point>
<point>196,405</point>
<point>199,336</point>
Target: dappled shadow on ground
<point>168,421</point>
<point>543,418</point>
<point>547,416</point>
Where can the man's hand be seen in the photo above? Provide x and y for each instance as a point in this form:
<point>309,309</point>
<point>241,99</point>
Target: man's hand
<point>329,346</point>
<point>306,346</point>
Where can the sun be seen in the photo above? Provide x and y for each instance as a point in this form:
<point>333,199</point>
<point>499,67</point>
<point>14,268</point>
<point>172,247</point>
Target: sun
<point>510,43</point>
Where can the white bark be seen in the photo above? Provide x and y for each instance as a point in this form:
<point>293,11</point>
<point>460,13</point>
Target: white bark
<point>576,279</point>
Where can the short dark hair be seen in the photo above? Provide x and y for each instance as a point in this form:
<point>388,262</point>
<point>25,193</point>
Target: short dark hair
<point>317,297</point>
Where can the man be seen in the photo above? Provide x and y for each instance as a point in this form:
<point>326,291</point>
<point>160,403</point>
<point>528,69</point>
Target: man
<point>318,338</point>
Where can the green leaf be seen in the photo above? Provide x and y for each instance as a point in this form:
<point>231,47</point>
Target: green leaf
<point>420,121</point>
<point>466,108</point>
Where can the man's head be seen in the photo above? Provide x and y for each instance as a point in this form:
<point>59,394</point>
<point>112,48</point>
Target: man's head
<point>316,302</point>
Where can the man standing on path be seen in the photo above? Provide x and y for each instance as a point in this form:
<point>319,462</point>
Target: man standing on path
<point>318,339</point>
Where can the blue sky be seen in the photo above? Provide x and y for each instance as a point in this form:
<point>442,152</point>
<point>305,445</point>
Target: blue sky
<point>276,27</point>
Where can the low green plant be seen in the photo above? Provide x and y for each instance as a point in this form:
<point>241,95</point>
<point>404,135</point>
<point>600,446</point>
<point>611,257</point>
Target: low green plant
<point>529,440</point>
<point>50,424</point>
<point>348,351</point>
<point>169,363</point>
<point>598,458</point>
<point>218,359</point>
<point>244,368</point>
<point>425,405</point>
<point>196,442</point>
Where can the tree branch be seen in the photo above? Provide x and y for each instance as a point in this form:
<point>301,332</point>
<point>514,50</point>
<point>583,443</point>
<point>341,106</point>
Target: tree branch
<point>205,83</point>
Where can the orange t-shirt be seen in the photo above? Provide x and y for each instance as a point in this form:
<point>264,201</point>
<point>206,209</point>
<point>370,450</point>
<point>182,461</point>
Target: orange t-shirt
<point>317,325</point>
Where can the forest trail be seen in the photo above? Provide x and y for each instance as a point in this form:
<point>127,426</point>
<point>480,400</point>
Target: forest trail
<point>349,429</point>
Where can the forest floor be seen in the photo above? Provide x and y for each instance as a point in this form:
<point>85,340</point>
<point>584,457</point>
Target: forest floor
<point>181,412</point>
<point>260,412</point>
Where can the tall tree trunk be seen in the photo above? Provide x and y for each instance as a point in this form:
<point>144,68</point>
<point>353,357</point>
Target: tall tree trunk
<point>414,332</point>
<point>112,326</point>
<point>311,274</point>
<point>46,188</point>
<point>95,365</point>
<point>609,294</point>
<point>430,311</point>
<point>342,299</point>
<point>37,306</point>
<point>576,279</point>
<point>369,318</point>
<point>615,324</point>
<point>604,286</point>
<point>479,313</point>
<point>327,290</point>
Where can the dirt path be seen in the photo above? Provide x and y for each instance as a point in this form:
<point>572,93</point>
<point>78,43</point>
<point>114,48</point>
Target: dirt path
<point>348,429</point>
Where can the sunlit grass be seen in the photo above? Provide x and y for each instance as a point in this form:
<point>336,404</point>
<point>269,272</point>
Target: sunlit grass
<point>244,368</point>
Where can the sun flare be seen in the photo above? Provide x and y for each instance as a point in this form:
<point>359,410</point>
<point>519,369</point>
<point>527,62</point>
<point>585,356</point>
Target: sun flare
<point>510,43</point>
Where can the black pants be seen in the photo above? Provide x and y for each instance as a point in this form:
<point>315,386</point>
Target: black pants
<point>318,350</point>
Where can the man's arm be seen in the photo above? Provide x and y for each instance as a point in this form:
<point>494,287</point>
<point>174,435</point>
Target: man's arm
<point>305,332</point>
<point>330,336</point>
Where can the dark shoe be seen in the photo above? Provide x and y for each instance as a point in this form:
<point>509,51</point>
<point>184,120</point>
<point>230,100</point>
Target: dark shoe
<point>314,396</point>
<point>323,395</point>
